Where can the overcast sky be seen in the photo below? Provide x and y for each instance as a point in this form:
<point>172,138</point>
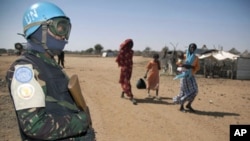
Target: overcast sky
<point>150,23</point>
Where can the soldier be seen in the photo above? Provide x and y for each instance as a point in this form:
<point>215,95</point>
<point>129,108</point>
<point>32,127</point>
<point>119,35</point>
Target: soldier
<point>61,59</point>
<point>44,106</point>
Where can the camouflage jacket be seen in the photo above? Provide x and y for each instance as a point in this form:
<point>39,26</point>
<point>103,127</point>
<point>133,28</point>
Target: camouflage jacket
<point>58,117</point>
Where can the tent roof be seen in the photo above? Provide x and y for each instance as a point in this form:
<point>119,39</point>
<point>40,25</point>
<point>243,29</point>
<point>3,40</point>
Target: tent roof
<point>219,55</point>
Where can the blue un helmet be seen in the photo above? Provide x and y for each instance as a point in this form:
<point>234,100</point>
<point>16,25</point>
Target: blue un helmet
<point>41,13</point>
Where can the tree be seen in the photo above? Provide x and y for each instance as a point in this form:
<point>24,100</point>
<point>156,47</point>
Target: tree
<point>147,49</point>
<point>2,51</point>
<point>146,52</point>
<point>90,50</point>
<point>164,52</point>
<point>98,48</point>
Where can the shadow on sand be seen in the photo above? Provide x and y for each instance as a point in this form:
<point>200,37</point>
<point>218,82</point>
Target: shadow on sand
<point>153,101</point>
<point>163,100</point>
<point>213,113</point>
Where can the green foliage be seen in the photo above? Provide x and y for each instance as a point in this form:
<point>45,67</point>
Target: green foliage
<point>90,50</point>
<point>3,50</point>
<point>98,48</point>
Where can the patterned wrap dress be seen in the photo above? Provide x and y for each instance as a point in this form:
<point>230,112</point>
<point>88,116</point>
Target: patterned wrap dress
<point>188,86</point>
<point>125,62</point>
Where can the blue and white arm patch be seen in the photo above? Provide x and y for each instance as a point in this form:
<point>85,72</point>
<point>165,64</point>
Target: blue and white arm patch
<point>25,90</point>
<point>23,74</point>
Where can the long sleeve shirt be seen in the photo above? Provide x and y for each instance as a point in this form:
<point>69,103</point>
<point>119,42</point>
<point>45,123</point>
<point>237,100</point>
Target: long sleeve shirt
<point>38,122</point>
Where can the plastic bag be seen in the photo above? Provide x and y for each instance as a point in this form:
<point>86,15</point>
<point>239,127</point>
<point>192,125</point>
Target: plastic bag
<point>141,84</point>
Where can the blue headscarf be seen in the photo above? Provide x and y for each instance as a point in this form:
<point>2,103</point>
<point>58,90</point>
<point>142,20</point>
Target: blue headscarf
<point>190,57</point>
<point>54,45</point>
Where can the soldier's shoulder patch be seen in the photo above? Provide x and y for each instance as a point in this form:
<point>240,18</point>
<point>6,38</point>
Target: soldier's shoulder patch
<point>25,91</point>
<point>23,73</point>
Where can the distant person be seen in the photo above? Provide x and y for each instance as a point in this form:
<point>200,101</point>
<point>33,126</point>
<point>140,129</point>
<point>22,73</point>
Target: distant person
<point>61,59</point>
<point>188,84</point>
<point>125,62</point>
<point>44,106</point>
<point>152,74</point>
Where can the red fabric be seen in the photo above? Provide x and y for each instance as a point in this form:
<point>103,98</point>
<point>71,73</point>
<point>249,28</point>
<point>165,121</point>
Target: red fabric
<point>125,62</point>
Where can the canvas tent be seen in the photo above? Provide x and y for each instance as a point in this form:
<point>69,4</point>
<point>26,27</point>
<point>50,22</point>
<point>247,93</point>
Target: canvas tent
<point>225,64</point>
<point>219,55</point>
<point>243,68</point>
<point>108,54</point>
<point>218,63</point>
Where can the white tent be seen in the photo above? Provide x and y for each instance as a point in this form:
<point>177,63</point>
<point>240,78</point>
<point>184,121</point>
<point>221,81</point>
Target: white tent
<point>108,54</point>
<point>220,55</point>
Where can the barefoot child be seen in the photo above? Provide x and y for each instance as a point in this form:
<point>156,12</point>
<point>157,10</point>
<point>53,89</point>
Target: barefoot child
<point>152,75</point>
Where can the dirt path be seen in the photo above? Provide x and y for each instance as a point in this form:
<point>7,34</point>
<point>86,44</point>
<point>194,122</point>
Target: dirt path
<point>220,102</point>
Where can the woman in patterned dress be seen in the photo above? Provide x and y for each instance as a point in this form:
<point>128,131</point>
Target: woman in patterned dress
<point>125,62</point>
<point>188,84</point>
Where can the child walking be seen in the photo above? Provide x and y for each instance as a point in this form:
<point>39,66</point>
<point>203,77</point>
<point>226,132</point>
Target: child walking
<point>152,75</point>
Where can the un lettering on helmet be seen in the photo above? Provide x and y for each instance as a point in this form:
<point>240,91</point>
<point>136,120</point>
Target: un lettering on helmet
<point>38,13</point>
<point>31,16</point>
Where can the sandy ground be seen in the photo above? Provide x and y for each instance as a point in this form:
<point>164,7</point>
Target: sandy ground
<point>220,102</point>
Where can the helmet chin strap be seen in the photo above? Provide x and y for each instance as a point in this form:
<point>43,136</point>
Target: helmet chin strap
<point>44,40</point>
<point>44,35</point>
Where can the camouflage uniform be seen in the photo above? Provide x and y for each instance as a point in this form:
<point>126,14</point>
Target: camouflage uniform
<point>59,118</point>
